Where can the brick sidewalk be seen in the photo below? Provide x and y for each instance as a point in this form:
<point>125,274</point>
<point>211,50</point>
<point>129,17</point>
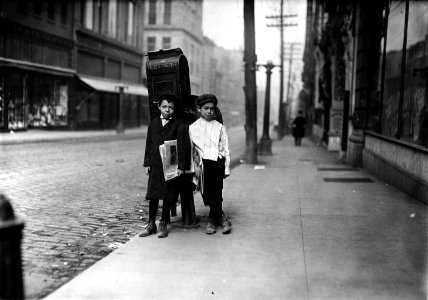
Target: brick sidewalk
<point>305,226</point>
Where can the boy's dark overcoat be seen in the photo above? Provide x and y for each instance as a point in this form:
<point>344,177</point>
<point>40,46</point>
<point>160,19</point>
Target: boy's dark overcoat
<point>157,134</point>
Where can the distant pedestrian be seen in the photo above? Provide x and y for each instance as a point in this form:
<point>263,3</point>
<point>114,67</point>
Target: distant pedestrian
<point>299,126</point>
<point>210,139</point>
<point>166,128</point>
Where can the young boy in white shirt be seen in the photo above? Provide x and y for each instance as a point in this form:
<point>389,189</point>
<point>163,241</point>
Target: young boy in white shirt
<point>210,140</point>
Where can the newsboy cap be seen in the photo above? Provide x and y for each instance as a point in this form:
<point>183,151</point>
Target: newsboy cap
<point>168,97</point>
<point>206,98</point>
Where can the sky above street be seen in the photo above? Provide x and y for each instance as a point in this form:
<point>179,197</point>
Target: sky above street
<point>223,22</point>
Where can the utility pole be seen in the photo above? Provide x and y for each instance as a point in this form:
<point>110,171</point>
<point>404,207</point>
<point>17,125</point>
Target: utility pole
<point>290,62</point>
<point>250,87</point>
<point>281,25</point>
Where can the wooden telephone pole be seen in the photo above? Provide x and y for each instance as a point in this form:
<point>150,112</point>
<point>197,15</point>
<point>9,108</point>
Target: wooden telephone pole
<point>281,25</point>
<point>250,87</point>
<point>292,51</point>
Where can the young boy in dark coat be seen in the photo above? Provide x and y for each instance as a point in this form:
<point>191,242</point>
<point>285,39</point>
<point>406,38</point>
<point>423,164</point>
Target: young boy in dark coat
<point>164,128</point>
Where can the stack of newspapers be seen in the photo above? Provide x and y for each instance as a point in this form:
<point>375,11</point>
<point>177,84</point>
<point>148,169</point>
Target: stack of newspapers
<point>169,154</point>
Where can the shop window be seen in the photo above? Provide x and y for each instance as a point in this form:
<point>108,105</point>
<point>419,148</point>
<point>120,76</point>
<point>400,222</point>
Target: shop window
<point>392,75</point>
<point>404,101</point>
<point>2,103</point>
<point>414,107</point>
<point>15,112</point>
<point>48,101</point>
<point>89,109</point>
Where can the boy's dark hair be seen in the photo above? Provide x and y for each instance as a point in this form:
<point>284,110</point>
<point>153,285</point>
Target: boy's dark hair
<point>206,98</point>
<point>168,97</point>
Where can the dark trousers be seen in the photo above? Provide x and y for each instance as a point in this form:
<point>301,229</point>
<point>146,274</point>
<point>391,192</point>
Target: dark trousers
<point>182,186</point>
<point>213,186</point>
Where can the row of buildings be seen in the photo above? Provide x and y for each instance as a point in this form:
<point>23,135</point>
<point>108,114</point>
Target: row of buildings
<point>70,64</point>
<point>366,86</point>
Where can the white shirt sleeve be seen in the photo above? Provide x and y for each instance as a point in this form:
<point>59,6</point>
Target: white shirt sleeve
<point>224,149</point>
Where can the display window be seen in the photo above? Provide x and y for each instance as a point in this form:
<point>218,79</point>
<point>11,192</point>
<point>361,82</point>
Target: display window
<point>14,104</point>
<point>414,108</point>
<point>405,103</point>
<point>392,75</point>
<point>88,109</point>
<point>48,101</point>
<point>2,110</point>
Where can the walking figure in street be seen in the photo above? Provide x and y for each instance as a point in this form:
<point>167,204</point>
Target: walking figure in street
<point>210,139</point>
<point>166,128</point>
<point>298,126</point>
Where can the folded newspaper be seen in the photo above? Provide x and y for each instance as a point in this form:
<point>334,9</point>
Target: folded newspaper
<point>169,154</point>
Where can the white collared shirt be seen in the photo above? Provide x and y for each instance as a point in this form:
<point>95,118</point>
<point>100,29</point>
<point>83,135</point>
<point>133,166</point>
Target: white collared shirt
<point>211,140</point>
<point>164,121</point>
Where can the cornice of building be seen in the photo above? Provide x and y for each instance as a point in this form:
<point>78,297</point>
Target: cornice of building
<point>108,41</point>
<point>157,29</point>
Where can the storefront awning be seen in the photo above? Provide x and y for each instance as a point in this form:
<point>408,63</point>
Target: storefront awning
<point>113,86</point>
<point>30,66</point>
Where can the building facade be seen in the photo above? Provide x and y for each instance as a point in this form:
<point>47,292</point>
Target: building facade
<point>70,64</point>
<point>365,81</point>
<point>176,24</point>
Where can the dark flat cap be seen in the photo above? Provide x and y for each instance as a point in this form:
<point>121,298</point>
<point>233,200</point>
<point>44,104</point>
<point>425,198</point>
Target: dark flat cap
<point>206,98</point>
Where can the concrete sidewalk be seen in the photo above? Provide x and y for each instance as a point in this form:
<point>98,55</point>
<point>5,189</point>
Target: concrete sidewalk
<point>304,227</point>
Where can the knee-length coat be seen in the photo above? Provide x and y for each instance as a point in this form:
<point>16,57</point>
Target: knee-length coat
<point>157,134</point>
<point>298,125</point>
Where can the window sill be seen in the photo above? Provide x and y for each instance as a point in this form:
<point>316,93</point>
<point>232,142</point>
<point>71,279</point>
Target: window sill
<point>409,145</point>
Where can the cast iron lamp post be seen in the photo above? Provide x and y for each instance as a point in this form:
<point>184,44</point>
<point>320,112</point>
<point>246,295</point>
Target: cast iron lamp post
<point>265,145</point>
<point>120,128</point>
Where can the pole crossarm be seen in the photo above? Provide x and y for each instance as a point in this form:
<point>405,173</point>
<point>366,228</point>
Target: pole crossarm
<point>283,25</point>
<point>278,17</point>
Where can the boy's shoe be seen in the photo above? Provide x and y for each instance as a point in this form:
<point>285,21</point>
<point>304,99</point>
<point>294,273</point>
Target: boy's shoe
<point>150,229</point>
<point>210,227</point>
<point>163,230</point>
<point>226,224</point>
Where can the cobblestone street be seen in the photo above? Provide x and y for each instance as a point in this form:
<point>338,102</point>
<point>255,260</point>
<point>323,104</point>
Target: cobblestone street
<point>79,200</point>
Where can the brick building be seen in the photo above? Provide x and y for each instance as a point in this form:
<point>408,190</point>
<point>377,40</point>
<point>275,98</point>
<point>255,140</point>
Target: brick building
<point>212,69</point>
<point>63,63</point>
<point>176,24</point>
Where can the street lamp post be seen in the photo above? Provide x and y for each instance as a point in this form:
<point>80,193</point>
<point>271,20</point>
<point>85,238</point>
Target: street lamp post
<point>120,128</point>
<point>265,141</point>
